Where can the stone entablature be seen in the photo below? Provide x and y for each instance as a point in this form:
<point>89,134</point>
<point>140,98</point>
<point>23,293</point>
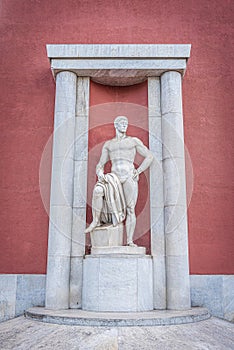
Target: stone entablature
<point>118,64</point>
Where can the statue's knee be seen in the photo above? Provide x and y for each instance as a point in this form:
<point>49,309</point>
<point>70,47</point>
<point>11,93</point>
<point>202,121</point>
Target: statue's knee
<point>98,191</point>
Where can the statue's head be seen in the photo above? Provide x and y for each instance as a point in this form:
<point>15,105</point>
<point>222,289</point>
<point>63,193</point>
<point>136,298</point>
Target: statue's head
<point>121,123</point>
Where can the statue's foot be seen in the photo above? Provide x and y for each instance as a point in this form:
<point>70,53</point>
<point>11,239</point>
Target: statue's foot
<point>91,227</point>
<point>131,244</point>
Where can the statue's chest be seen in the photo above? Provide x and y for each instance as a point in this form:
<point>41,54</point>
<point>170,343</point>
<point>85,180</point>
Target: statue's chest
<point>122,146</point>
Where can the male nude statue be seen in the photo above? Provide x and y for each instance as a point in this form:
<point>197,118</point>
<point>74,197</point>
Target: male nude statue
<point>121,151</point>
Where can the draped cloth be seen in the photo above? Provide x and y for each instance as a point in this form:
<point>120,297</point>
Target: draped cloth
<point>114,206</point>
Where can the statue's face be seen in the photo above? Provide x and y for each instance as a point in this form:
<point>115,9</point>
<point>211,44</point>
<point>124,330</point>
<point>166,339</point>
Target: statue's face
<point>122,125</point>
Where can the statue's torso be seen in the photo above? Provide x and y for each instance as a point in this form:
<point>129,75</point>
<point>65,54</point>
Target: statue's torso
<point>122,154</point>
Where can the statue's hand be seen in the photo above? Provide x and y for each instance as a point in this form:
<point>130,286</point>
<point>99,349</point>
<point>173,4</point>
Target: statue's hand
<point>135,175</point>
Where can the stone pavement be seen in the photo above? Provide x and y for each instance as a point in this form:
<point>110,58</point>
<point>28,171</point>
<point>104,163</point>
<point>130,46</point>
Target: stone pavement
<point>22,334</point>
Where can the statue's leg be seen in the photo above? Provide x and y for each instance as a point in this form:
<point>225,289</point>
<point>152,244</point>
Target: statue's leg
<point>130,188</point>
<point>97,204</point>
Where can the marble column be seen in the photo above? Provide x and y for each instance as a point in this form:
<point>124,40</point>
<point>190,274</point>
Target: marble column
<point>80,191</point>
<point>61,200</point>
<point>156,194</point>
<point>175,211</point>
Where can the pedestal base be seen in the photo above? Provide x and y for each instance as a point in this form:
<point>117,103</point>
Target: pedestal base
<point>123,250</point>
<point>117,284</point>
<point>107,236</point>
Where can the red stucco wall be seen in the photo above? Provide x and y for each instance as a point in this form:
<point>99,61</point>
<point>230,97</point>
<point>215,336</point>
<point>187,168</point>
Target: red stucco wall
<point>27,102</point>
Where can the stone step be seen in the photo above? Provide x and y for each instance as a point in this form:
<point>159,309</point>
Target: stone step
<point>112,319</point>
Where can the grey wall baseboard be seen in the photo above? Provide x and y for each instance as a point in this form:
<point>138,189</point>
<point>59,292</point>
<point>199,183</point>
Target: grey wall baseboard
<point>20,292</point>
<point>215,292</point>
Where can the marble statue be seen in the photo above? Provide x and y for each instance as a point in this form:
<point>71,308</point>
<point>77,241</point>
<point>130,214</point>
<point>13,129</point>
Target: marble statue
<point>115,194</point>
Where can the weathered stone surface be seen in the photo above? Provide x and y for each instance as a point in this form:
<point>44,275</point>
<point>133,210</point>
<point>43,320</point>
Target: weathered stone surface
<point>156,194</point>
<point>174,181</point>
<point>210,334</point>
<point>107,236</point>
<point>79,192</point>
<point>176,232</point>
<point>175,218</point>
<point>24,334</point>
<point>117,284</point>
<point>121,72</point>
<point>207,291</point>
<point>119,251</point>
<point>156,186</point>
<point>57,285</point>
<point>171,93</point>
<point>178,283</point>
<point>173,135</point>
<point>214,292</point>
<point>115,319</point>
<point>228,297</point>
<point>118,50</point>
<point>63,131</point>
<point>81,138</point>
<point>118,64</point>
<point>154,105</point>
<point>80,172</point>
<point>30,291</point>
<point>176,229</point>
<point>158,253</point>
<point>159,282</point>
<point>65,98</point>
<point>78,228</point>
<point>62,184</point>
<point>157,231</point>
<point>19,292</point>
<point>7,296</point>
<point>80,184</point>
<point>76,277</point>
<point>144,285</point>
<point>155,137</point>
<point>60,229</point>
<point>82,107</point>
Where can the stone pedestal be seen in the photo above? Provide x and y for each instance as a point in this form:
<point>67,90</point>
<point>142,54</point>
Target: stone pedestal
<point>121,250</point>
<point>120,283</point>
<point>107,236</point>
